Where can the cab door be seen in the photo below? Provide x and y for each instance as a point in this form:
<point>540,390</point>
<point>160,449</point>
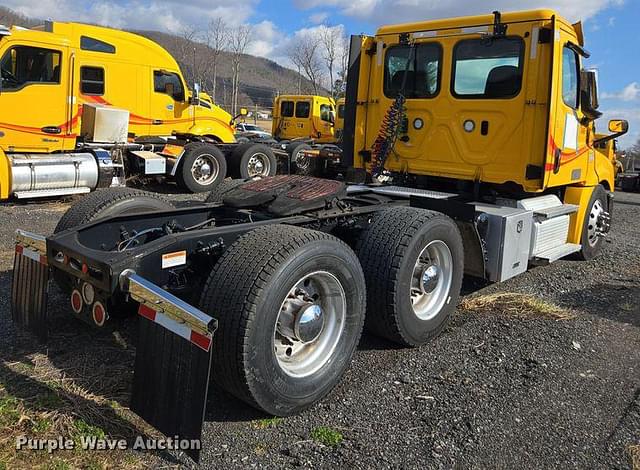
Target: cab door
<point>324,121</point>
<point>169,109</point>
<point>465,102</point>
<point>568,153</point>
<point>34,107</point>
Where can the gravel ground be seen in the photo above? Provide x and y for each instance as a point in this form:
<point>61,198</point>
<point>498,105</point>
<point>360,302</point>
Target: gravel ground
<point>491,391</point>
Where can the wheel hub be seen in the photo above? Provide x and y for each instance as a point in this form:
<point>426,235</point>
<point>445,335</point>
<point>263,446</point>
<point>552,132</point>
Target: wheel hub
<point>598,224</point>
<point>309,322</point>
<point>258,165</point>
<point>430,278</point>
<point>204,169</point>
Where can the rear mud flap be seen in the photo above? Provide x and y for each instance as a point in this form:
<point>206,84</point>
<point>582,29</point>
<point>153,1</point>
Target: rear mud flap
<point>173,362</point>
<point>29,287</point>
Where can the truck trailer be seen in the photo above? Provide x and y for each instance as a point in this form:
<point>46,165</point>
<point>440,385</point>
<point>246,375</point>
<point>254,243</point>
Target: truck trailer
<point>84,106</point>
<point>483,128</point>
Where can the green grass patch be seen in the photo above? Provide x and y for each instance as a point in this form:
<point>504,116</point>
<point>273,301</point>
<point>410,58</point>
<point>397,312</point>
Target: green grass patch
<point>9,411</point>
<point>41,425</point>
<point>326,436</point>
<point>82,428</point>
<point>268,422</point>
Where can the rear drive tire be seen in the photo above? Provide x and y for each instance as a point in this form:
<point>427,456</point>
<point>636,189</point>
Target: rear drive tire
<point>222,189</point>
<point>252,160</point>
<point>201,168</point>
<point>590,241</point>
<point>413,264</point>
<point>262,283</point>
<point>106,203</point>
<point>301,165</point>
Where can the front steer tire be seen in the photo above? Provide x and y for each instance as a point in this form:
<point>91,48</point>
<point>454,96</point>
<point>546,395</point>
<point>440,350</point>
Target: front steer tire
<point>388,250</point>
<point>591,245</point>
<point>245,292</point>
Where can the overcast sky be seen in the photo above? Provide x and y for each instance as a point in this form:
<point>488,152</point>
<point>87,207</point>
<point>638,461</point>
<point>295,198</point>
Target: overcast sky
<point>611,27</point>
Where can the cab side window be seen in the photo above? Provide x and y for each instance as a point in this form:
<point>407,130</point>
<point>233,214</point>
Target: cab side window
<point>286,109</point>
<point>168,83</point>
<point>26,65</point>
<point>489,69</point>
<point>570,77</point>
<point>92,81</point>
<point>341,111</point>
<point>303,108</point>
<point>325,112</point>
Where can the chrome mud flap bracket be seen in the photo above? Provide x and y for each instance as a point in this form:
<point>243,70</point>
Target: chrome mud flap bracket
<point>173,361</point>
<point>30,284</point>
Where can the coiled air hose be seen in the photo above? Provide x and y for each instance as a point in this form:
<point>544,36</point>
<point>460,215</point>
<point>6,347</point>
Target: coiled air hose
<point>387,135</point>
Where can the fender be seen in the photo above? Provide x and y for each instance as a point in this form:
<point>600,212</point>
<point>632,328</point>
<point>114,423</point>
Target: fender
<point>580,196</point>
<point>5,175</point>
<point>224,133</point>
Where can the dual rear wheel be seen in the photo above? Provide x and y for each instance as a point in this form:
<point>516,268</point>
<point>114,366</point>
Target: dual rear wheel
<point>290,302</point>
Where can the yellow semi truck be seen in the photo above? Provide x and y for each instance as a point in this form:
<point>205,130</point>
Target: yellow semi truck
<point>61,89</point>
<point>469,149</point>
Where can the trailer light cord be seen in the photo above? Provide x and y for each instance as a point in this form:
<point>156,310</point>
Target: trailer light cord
<point>391,124</point>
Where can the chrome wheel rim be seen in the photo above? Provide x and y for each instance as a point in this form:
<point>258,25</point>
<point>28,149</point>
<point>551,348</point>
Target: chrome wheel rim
<point>301,160</point>
<point>431,280</point>
<point>258,165</point>
<point>309,324</point>
<point>205,169</point>
<point>593,224</point>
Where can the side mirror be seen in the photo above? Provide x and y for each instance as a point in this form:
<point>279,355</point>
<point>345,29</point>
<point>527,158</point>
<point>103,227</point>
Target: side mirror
<point>589,95</point>
<point>618,126</point>
<point>195,99</point>
<point>243,111</point>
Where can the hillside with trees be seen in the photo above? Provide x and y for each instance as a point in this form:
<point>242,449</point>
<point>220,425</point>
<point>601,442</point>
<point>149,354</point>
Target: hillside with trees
<point>216,58</point>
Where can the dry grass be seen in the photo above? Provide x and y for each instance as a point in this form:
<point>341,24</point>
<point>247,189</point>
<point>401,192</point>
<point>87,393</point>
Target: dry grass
<point>634,454</point>
<point>516,305</point>
<point>45,399</point>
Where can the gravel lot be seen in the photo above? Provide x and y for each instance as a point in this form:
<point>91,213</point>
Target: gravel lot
<point>492,391</point>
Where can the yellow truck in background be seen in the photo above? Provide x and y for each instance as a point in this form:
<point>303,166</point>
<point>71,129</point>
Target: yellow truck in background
<point>303,122</point>
<point>49,139</point>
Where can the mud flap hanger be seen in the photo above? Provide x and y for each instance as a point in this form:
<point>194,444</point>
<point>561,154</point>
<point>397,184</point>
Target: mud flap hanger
<point>173,361</point>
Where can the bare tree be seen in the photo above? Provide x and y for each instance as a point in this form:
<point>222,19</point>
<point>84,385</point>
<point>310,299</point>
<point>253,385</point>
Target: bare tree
<point>304,54</point>
<point>216,37</point>
<point>187,53</point>
<point>239,40</point>
<point>341,80</point>
<point>330,39</point>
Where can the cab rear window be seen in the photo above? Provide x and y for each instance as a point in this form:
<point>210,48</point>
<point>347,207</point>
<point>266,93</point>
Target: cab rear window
<point>303,109</point>
<point>486,68</point>
<point>413,71</point>
<point>286,109</point>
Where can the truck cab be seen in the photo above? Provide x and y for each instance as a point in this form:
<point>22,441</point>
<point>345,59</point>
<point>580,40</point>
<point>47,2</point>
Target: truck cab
<point>55,69</point>
<point>498,99</point>
<point>304,117</point>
